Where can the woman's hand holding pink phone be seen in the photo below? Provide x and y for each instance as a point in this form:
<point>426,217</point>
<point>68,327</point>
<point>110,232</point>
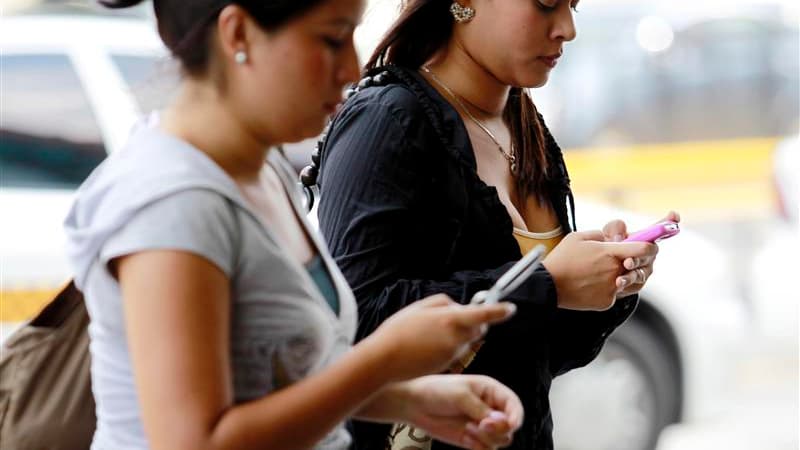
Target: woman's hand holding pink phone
<point>640,269</point>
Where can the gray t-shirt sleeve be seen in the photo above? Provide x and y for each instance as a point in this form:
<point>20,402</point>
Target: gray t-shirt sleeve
<point>197,221</point>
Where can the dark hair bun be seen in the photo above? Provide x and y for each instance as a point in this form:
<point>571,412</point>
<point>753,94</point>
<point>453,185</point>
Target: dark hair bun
<point>117,4</point>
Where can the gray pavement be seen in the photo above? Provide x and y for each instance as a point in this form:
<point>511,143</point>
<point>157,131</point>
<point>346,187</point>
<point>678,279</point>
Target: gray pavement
<point>765,398</point>
<point>764,412</point>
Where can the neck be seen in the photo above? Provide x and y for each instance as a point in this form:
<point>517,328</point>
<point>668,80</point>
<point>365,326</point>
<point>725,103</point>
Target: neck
<point>476,86</point>
<point>201,117</point>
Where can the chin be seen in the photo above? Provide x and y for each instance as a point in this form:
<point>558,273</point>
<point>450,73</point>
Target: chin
<point>536,81</point>
<point>311,128</point>
<point>531,76</point>
<point>538,85</point>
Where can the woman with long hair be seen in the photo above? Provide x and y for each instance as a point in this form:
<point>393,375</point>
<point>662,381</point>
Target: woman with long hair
<point>438,173</point>
<point>218,318</point>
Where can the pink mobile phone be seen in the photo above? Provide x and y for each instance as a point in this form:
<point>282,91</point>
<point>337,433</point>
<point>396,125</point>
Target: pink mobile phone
<point>655,233</point>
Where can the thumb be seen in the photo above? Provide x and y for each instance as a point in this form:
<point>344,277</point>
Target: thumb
<point>624,250</point>
<point>475,315</point>
<point>589,235</point>
<point>433,301</point>
<point>471,405</point>
<point>615,231</point>
<point>671,216</point>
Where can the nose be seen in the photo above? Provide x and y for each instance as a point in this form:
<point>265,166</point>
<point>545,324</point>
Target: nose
<point>349,70</point>
<point>564,26</point>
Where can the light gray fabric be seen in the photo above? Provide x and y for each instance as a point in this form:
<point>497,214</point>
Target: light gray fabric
<point>161,193</point>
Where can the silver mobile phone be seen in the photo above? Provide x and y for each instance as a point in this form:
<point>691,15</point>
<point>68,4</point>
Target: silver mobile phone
<point>513,277</point>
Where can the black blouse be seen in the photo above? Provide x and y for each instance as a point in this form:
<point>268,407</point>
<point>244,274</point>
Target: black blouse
<point>406,216</point>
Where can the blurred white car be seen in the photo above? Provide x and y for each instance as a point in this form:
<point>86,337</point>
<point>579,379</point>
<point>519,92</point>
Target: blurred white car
<point>773,284</point>
<point>672,362</point>
<point>71,89</point>
<point>73,86</point>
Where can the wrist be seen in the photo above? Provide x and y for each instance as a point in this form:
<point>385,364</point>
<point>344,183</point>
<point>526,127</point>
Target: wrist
<point>392,404</point>
<point>411,395</point>
<point>380,357</point>
<point>400,401</point>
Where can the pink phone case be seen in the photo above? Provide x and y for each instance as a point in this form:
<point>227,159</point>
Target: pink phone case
<point>655,233</point>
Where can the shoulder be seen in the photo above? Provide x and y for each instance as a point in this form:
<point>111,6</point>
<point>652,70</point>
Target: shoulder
<point>194,213</point>
<point>390,91</point>
<point>192,204</point>
<point>195,220</point>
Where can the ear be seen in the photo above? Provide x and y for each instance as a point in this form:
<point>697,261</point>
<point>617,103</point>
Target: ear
<point>233,29</point>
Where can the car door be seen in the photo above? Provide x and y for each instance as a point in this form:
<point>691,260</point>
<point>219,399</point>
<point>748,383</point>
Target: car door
<point>50,140</point>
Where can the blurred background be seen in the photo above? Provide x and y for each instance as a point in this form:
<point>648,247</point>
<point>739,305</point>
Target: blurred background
<point>683,105</point>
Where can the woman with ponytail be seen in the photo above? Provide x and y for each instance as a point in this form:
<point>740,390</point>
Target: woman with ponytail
<point>438,173</point>
<point>218,319</point>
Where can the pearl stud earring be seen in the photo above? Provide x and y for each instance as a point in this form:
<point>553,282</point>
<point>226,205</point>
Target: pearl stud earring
<point>240,57</point>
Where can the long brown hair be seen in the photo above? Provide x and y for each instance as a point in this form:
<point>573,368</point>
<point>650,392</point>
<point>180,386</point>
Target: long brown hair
<point>424,27</point>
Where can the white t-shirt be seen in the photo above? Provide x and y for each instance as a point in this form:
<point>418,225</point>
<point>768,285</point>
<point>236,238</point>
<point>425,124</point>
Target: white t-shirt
<point>161,193</point>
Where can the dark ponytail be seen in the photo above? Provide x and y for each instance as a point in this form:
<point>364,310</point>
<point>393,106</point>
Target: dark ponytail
<point>185,26</point>
<point>424,27</point>
<point>529,146</point>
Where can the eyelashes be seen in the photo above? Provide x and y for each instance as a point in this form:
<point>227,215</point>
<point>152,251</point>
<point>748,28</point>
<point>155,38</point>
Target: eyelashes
<point>333,44</point>
<point>550,5</point>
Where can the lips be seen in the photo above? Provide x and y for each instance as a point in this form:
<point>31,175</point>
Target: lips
<point>550,60</point>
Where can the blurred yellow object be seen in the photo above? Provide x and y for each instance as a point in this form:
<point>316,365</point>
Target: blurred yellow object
<point>711,180</point>
<point>20,305</point>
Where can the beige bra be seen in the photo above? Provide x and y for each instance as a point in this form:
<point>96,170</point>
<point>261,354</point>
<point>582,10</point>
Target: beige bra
<point>528,240</point>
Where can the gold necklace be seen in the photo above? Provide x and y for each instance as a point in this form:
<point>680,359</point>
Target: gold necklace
<point>512,160</point>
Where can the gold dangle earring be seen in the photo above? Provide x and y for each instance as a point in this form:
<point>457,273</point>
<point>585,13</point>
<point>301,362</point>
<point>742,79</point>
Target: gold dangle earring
<point>461,14</point>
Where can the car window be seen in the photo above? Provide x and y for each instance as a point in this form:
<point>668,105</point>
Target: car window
<point>736,91</point>
<point>49,137</point>
<point>152,80</point>
<point>717,79</point>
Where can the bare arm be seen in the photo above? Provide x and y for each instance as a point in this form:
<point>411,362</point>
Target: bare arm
<point>177,311</point>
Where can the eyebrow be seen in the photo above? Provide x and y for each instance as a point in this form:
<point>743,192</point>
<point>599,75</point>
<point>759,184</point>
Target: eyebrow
<point>341,21</point>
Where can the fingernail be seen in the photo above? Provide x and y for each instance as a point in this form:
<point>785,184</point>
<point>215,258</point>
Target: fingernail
<point>623,282</point>
<point>497,415</point>
<point>511,309</point>
<point>628,264</point>
<point>618,238</point>
<point>472,428</point>
<point>487,427</point>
